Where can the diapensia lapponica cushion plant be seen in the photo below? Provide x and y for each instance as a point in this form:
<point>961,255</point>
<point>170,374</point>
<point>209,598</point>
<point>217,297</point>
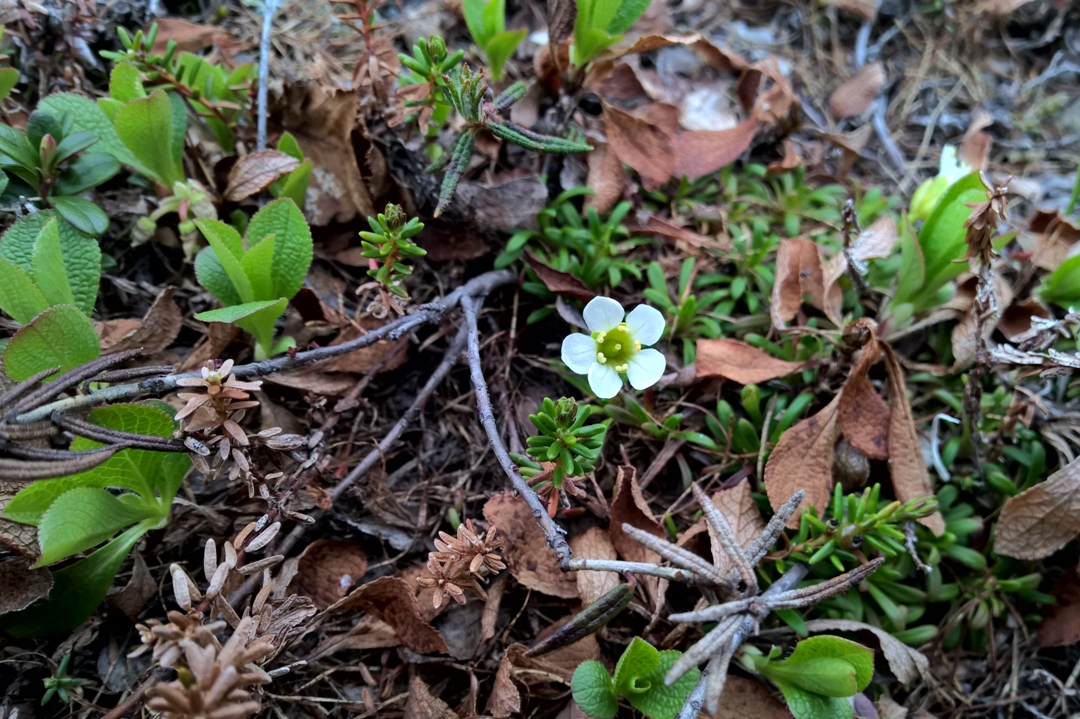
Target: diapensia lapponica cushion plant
<point>618,345</point>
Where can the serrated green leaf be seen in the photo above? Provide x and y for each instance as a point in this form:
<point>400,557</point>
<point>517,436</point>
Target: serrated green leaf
<point>233,266</point>
<point>125,84</point>
<point>292,245</point>
<point>19,296</point>
<point>88,116</point>
<point>87,171</point>
<point>50,272</point>
<point>806,705</point>
<point>628,13</point>
<point>634,669</point>
<point>258,265</point>
<point>144,471</point>
<point>82,214</point>
<point>61,336</point>
<point>82,255</point>
<point>9,77</point>
<point>214,278</point>
<point>594,691</point>
<point>223,233</point>
<point>145,126</point>
<point>81,519</point>
<point>662,701</point>
<point>76,592</point>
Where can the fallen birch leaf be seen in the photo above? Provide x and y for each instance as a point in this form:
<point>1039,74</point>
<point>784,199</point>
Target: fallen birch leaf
<point>607,179</point>
<point>528,557</point>
<point>803,460</point>
<point>910,478</point>
<point>561,283</point>
<point>327,569</point>
<point>254,172</point>
<point>594,543</point>
<point>909,665</point>
<point>21,586</point>
<point>505,698</point>
<point>740,362</point>
<point>863,415</point>
<point>639,143</point>
<point>153,333</point>
<point>1061,621</point>
<point>188,36</point>
<point>799,274</point>
<point>702,152</point>
<point>393,601</point>
<point>1041,520</point>
<point>422,704</point>
<point>855,95</point>
<point>628,506</point>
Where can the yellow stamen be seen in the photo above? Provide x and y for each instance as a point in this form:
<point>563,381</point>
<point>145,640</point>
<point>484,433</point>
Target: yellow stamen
<point>622,368</point>
<point>618,346</point>
<point>637,345</point>
<point>601,358</point>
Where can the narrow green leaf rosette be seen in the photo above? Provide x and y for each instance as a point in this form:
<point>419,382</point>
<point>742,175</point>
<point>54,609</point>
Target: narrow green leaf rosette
<point>594,691</point>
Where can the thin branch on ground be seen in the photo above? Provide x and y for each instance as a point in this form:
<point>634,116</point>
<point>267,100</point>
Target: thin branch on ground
<point>269,8</point>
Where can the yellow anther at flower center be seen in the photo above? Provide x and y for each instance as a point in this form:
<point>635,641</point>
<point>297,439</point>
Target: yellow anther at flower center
<point>617,347</point>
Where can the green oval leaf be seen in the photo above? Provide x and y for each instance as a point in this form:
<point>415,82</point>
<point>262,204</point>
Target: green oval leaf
<point>82,214</point>
<point>145,126</point>
<point>81,519</point>
<point>88,116</point>
<point>594,691</point>
<point>19,296</point>
<point>61,336</point>
<point>82,255</point>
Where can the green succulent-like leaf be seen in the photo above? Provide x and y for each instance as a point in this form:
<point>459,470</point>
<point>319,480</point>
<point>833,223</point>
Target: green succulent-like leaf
<point>594,691</point>
<point>154,475</point>
<point>81,214</point>
<point>145,125</point>
<point>635,667</point>
<point>88,116</point>
<point>292,244</point>
<point>61,336</point>
<point>76,592</point>
<point>82,518</point>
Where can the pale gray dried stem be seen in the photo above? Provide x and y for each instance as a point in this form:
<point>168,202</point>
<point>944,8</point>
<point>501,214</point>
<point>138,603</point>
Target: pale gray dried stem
<point>727,539</point>
<point>675,554</point>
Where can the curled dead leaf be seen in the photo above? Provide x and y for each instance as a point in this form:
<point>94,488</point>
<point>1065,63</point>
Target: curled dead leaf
<point>527,555</point>
<point>629,507</point>
<point>422,704</point>
<point>561,283</point>
<point>505,699</point>
<point>644,146</point>
<point>740,362</point>
<point>254,172</point>
<point>153,333</point>
<point>21,586</point>
<point>1041,520</point>
<point>740,510</point>
<point>803,459</point>
<point>855,95</point>
<point>863,415</point>
<point>327,569</point>
<point>188,36</point>
<point>702,152</point>
<point>799,274</point>
<point>607,178</point>
<point>394,602</point>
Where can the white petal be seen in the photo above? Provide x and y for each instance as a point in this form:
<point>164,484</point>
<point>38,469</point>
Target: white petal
<point>579,352</point>
<point>646,368</point>
<point>646,324</point>
<point>603,314</point>
<point>952,168</point>
<point>604,381</point>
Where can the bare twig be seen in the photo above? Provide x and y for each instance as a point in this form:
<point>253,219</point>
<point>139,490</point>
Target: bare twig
<point>555,534</point>
<point>269,8</point>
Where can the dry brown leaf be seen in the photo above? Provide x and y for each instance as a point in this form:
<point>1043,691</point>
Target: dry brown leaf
<point>561,663</point>
<point>855,95</point>
<point>1000,8</point>
<point>703,48</point>
<point>21,586</point>
<point>909,665</point>
<point>423,705</point>
<point>505,698</point>
<point>153,333</point>
<point>504,205</point>
<point>1054,236</point>
<point>616,81</point>
<point>851,145</point>
<point>866,9</point>
<point>887,708</point>
<point>188,36</point>
<point>313,381</point>
<point>21,538</point>
<point>740,362</point>
<point>254,172</point>
<point>1016,319</point>
<point>740,510</point>
<point>639,143</point>
<point>527,555</point>
<point>322,120</point>
<point>799,274</point>
<point>749,699</point>
<point>702,152</point>
<point>594,543</point>
<point>607,178</point>
<point>1061,621</point>
<point>364,360</point>
<point>975,147</point>
<point>659,226</point>
<point>863,415</point>
<point>137,592</point>
<point>803,460</point>
<point>491,608</point>
<point>394,602</point>
<point>628,506</point>
<point>327,569</point>
<point>561,15</point>
<point>561,283</point>
<point>1041,520</point>
<point>909,476</point>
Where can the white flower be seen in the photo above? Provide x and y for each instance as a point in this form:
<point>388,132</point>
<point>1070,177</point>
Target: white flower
<point>616,346</point>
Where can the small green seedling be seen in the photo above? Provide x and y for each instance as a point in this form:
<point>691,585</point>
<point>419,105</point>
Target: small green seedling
<point>639,678</point>
<point>255,277</point>
<point>481,110</point>
<point>49,276</point>
<point>59,684</point>
<point>390,243</point>
<point>52,162</point>
<point>563,440</point>
<point>487,24</point>
<point>600,24</point>
<point>423,85</point>
<point>76,513</point>
<point>818,677</point>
